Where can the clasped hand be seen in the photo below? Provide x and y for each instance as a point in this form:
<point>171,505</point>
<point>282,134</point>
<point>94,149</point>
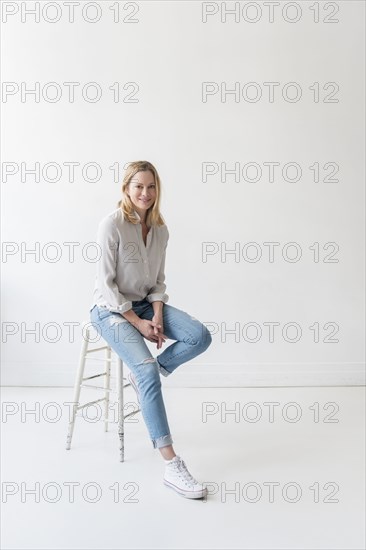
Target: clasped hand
<point>153,330</point>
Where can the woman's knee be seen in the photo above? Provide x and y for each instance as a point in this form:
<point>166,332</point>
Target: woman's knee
<point>147,372</point>
<point>202,335</point>
<point>206,337</point>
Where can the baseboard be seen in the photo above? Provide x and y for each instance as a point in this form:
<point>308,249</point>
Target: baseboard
<point>205,375</point>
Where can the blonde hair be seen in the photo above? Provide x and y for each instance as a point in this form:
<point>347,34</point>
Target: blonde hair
<point>153,215</point>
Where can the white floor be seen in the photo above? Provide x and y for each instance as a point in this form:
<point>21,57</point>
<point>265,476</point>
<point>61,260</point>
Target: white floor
<point>322,461</point>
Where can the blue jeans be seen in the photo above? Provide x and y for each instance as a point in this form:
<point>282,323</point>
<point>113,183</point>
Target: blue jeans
<point>191,339</point>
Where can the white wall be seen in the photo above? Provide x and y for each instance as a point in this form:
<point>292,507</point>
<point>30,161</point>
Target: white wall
<point>169,52</point>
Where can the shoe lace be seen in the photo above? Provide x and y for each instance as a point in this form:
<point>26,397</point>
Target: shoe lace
<point>185,474</point>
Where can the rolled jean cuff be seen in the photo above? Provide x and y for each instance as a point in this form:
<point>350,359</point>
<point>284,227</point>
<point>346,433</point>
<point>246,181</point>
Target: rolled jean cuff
<point>163,371</point>
<point>162,441</point>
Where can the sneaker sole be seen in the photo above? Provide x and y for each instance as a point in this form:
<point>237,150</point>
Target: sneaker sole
<point>186,494</point>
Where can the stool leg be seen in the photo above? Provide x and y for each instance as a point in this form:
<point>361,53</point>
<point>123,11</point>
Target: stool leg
<point>77,388</point>
<point>107,385</point>
<point>121,430</point>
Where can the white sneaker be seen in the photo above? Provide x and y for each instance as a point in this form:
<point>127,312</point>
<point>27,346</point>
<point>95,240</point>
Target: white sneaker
<point>133,383</point>
<point>177,477</point>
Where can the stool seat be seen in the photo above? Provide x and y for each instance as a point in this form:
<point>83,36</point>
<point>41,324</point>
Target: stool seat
<point>86,350</point>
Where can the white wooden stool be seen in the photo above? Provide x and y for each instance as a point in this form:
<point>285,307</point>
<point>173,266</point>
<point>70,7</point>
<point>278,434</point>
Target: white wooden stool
<point>120,385</point>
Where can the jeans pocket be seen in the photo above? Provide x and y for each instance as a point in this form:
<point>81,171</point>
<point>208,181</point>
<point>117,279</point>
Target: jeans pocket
<point>103,313</point>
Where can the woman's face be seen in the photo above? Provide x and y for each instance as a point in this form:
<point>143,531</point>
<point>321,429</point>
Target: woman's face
<point>142,191</point>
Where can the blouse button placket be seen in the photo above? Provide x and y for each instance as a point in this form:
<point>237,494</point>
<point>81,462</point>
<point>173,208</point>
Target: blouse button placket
<point>143,249</point>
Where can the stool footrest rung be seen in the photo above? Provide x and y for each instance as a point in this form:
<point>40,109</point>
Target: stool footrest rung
<point>133,412</point>
<point>101,387</point>
<point>90,403</point>
<point>109,390</point>
<point>110,421</point>
<point>91,350</point>
<point>101,374</point>
<point>94,376</point>
<point>103,359</point>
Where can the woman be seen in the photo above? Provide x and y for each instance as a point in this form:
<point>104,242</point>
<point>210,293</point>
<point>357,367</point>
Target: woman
<point>130,305</point>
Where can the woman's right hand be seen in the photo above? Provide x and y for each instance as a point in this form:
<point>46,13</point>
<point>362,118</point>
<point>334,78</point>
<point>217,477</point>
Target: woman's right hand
<point>146,328</point>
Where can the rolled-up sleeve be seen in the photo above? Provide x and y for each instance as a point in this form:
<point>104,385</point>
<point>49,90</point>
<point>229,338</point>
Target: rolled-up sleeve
<point>108,241</point>
<point>157,292</point>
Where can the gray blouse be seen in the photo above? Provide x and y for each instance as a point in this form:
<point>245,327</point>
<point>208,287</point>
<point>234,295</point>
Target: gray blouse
<point>127,270</point>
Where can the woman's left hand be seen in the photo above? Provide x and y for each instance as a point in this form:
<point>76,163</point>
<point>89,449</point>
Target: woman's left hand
<point>159,331</point>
